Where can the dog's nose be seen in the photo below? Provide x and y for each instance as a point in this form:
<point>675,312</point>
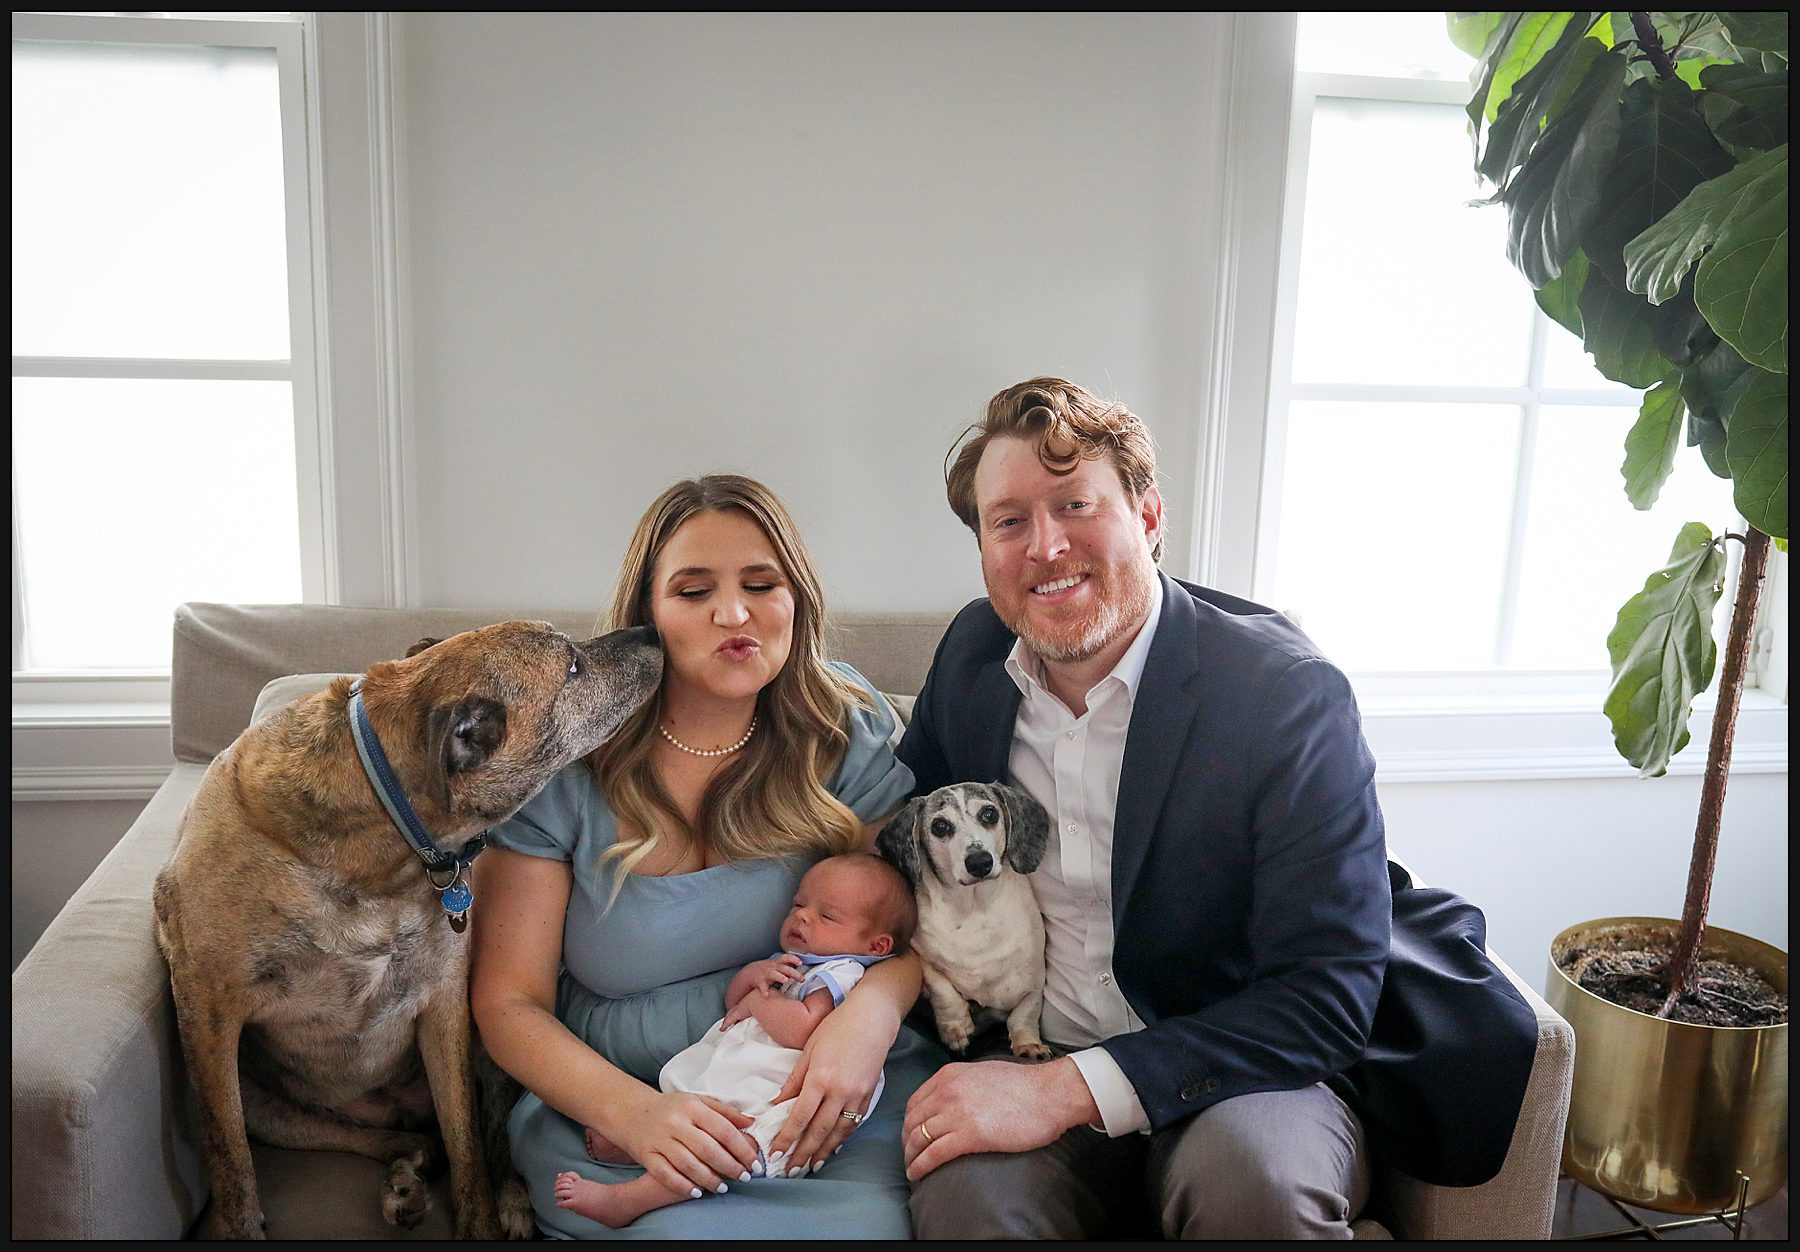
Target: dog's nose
<point>979,863</point>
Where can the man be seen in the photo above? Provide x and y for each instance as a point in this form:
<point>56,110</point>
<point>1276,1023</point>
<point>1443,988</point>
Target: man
<point>1215,893</point>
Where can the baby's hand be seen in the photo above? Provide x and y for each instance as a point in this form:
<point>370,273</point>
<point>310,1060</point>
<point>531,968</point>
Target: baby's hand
<point>776,972</point>
<point>739,1011</point>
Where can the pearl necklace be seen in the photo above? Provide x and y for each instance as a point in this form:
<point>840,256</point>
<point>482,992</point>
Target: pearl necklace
<point>716,751</point>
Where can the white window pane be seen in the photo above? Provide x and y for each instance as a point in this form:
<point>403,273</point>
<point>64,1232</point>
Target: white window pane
<point>1400,281</point>
<point>1393,531</point>
<point>135,495</point>
<point>1402,45</point>
<point>1587,550</point>
<point>148,218</point>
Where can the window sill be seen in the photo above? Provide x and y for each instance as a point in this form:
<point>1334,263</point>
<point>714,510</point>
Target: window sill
<point>1501,736</point>
<point>90,736</point>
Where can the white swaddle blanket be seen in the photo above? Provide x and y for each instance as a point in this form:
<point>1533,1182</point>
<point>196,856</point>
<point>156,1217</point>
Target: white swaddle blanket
<point>746,1069</point>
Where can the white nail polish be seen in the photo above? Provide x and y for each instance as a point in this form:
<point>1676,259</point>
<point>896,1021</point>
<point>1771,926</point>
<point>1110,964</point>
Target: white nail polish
<point>744,1177</point>
<point>722,1189</point>
<point>694,1194</point>
<point>817,1166</point>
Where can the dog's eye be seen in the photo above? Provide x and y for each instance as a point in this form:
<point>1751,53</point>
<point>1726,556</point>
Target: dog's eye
<point>988,815</point>
<point>574,664</point>
<point>941,828</point>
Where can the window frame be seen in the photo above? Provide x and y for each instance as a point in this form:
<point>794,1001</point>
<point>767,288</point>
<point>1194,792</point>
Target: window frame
<point>1424,726</point>
<point>286,37</point>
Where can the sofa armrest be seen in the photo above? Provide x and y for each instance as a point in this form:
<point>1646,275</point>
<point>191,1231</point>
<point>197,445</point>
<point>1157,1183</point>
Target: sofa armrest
<point>103,1141</point>
<point>1520,1201</point>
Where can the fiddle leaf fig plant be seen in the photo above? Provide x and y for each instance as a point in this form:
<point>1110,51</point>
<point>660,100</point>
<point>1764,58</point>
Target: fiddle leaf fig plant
<point>1643,163</point>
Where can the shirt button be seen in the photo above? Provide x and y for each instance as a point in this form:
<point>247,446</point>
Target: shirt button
<point>1071,734</point>
<point>1074,829</point>
<point>1105,980</point>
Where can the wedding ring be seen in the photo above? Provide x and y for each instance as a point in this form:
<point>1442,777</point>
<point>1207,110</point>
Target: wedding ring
<point>855,1117</point>
<point>925,1130</point>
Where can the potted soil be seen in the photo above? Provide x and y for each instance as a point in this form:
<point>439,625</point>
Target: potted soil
<point>1642,159</point>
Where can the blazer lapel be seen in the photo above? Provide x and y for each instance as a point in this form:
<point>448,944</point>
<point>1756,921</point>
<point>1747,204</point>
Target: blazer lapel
<point>995,705</point>
<point>1160,716</point>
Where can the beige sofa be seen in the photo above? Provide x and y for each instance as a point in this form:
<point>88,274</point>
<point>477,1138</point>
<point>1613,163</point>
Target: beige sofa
<point>104,1141</point>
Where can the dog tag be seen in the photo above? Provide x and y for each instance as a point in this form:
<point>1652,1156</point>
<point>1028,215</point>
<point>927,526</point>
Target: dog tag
<point>457,898</point>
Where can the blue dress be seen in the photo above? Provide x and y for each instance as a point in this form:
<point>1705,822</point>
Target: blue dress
<point>643,979</point>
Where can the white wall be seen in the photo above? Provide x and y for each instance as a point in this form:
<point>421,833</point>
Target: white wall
<point>802,247</point>
<point>1542,855</point>
<point>808,248</point>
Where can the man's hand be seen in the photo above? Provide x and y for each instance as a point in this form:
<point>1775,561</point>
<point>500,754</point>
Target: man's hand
<point>992,1106</point>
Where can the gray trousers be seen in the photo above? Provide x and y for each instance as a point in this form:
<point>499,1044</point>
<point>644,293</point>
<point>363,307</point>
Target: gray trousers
<point>1269,1165</point>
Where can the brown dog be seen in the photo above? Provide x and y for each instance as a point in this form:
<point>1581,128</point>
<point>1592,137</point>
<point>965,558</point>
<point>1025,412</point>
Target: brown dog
<point>298,922</point>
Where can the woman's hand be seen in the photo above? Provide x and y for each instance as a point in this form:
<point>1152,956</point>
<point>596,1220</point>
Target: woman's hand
<point>836,1073</point>
<point>690,1143</point>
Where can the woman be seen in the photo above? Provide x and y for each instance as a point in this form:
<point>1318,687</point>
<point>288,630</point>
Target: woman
<point>616,906</point>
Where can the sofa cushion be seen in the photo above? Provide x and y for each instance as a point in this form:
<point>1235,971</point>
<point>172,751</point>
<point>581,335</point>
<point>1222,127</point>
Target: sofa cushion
<point>224,654</point>
<point>289,688</point>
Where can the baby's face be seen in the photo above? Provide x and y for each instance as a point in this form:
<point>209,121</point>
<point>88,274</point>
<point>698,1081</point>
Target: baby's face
<point>831,914</point>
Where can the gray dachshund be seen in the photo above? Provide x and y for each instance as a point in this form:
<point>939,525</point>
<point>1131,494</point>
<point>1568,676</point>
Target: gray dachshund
<point>966,850</point>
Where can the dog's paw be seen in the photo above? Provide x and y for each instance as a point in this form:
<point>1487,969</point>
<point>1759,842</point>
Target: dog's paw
<point>1031,1050</point>
<point>407,1197</point>
<point>517,1221</point>
<point>214,1224</point>
<point>956,1035</point>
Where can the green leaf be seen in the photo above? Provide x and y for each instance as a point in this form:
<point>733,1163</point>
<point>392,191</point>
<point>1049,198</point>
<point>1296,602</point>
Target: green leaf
<point>1707,432</point>
<point>1557,192</point>
<point>1757,448</point>
<point>1710,387</point>
<point>1481,76</point>
<point>1663,652</point>
<point>1665,151</point>
<point>1471,31</point>
<point>1560,297</point>
<point>1681,333</point>
<point>1535,35</point>
<point>1657,260</point>
<point>1619,334</point>
<point>1745,107</point>
<point>1523,110</point>
<point>1766,32</point>
<point>1651,444</point>
<point>1741,285</point>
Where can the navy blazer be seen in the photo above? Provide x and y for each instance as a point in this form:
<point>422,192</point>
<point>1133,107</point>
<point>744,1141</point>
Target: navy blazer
<point>1251,899</point>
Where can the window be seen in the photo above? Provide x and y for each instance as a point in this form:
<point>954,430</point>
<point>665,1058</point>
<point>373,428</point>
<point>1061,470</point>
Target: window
<point>165,440</point>
<point>1441,487</point>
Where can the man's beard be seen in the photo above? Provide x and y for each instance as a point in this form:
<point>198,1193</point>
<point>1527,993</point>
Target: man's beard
<point>1120,603</point>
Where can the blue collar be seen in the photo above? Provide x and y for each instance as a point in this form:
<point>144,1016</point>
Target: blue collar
<point>807,958</point>
<point>453,891</point>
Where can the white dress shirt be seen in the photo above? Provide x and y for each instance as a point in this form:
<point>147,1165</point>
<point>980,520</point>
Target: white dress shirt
<point>1071,765</point>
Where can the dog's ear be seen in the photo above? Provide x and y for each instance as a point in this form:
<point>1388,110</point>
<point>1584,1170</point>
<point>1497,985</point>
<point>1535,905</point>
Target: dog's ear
<point>898,841</point>
<point>1027,828</point>
<point>465,734</point>
<point>421,646</point>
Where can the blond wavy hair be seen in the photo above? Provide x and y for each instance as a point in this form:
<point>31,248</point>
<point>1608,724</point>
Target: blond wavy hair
<point>768,800</point>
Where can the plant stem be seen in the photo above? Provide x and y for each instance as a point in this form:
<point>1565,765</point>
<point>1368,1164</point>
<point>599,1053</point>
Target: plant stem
<point>1652,45</point>
<point>1685,960</point>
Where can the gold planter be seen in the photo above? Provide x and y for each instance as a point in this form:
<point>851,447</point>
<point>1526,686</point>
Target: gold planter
<point>1665,1115</point>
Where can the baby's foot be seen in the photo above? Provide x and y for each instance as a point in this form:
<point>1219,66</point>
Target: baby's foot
<point>611,1204</point>
<point>565,1188</point>
<point>604,1150</point>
